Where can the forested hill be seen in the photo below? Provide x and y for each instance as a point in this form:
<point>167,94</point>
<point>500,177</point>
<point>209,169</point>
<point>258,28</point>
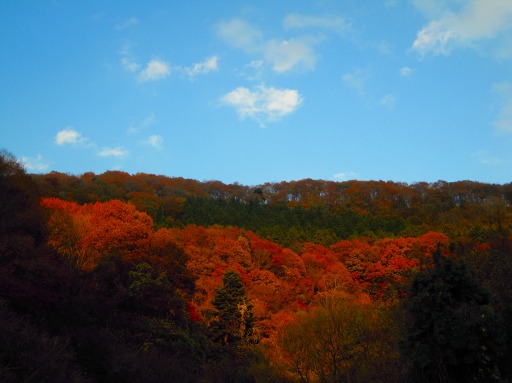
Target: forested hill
<point>307,210</point>
<point>121,278</point>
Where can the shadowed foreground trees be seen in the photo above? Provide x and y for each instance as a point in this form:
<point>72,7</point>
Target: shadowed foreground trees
<point>21,221</point>
<point>116,320</point>
<point>32,288</point>
<point>454,334</point>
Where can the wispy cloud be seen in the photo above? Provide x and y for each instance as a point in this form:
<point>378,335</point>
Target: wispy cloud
<point>211,64</point>
<point>240,34</point>
<point>112,152</point>
<point>253,70</point>
<point>477,20</point>
<point>69,136</point>
<point>356,79</point>
<point>127,61</point>
<point>129,64</point>
<point>264,104</point>
<point>132,21</point>
<point>144,124</point>
<point>503,93</point>
<point>155,70</point>
<point>330,23</point>
<point>388,101</point>
<point>282,55</point>
<point>406,71</point>
<point>154,140</point>
<point>285,55</point>
<point>488,159</point>
<point>36,164</point>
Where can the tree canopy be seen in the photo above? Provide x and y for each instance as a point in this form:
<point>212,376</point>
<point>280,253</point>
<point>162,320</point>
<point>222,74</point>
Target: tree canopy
<point>149,278</point>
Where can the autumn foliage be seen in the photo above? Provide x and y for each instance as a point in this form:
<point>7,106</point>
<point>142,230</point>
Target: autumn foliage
<point>302,281</point>
<point>86,233</point>
<point>277,279</point>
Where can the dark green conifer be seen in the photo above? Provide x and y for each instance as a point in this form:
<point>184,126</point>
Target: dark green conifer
<point>233,321</point>
<point>453,335</point>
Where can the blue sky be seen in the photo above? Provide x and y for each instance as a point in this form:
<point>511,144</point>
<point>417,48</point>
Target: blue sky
<point>254,92</point>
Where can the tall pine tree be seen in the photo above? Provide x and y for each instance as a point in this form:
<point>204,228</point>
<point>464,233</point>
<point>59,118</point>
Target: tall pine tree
<point>233,317</point>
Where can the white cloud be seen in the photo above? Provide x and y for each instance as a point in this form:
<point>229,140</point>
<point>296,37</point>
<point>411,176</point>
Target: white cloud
<point>112,152</point>
<point>434,38</point>
<point>129,64</point>
<point>331,23</point>
<point>209,65</point>
<point>34,164</point>
<point>252,71</point>
<point>148,121</point>
<point>344,176</point>
<point>287,54</point>
<point>132,21</point>
<point>356,79</point>
<point>69,136</point>
<point>72,137</point>
<point>283,55</point>
<point>503,93</point>
<point>263,103</point>
<point>431,8</point>
<point>406,71</point>
<point>155,70</point>
<point>240,34</point>
<point>388,100</point>
<point>477,20</point>
<point>154,141</point>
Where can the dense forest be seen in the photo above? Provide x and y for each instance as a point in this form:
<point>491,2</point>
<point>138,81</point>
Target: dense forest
<point>147,278</point>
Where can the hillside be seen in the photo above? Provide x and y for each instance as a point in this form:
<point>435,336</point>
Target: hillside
<point>126,278</point>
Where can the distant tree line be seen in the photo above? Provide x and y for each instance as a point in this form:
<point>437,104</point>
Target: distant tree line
<point>306,210</point>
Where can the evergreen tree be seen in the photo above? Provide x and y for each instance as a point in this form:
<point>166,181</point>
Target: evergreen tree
<point>233,317</point>
<point>453,335</point>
